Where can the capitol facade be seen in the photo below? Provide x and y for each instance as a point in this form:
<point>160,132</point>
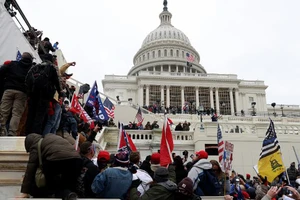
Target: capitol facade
<point>161,75</point>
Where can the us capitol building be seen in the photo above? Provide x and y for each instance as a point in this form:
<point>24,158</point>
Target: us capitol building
<point>160,74</point>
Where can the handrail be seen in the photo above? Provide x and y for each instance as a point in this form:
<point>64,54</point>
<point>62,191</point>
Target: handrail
<point>27,23</point>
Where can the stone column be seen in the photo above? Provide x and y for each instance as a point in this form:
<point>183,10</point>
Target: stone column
<point>168,96</point>
<point>169,68</point>
<point>211,98</point>
<point>161,68</point>
<point>197,97</point>
<point>140,95</point>
<point>176,68</point>
<point>237,101</point>
<point>147,95</point>
<point>184,69</point>
<point>154,68</point>
<point>182,97</point>
<point>217,101</point>
<point>231,101</point>
<point>162,96</point>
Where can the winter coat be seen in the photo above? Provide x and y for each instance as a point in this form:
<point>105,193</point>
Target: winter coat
<point>158,191</point>
<point>292,173</point>
<point>181,173</point>
<point>180,196</point>
<point>145,179</point>
<point>224,182</point>
<point>91,173</point>
<point>52,86</point>
<point>14,74</point>
<point>147,167</point>
<point>112,183</point>
<point>53,148</point>
<point>197,169</point>
<point>47,47</point>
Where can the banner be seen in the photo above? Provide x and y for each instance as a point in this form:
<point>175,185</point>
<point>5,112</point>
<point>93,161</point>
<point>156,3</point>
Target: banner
<point>95,102</point>
<point>228,156</point>
<point>77,108</point>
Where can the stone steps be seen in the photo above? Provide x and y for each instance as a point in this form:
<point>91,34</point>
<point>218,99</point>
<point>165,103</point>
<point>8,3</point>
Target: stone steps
<point>13,162</point>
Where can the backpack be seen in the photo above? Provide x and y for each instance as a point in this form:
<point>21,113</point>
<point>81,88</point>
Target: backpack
<point>209,184</point>
<point>38,78</point>
<point>80,186</point>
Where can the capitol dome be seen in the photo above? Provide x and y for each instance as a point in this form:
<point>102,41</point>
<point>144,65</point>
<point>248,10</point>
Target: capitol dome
<point>166,32</point>
<point>166,49</point>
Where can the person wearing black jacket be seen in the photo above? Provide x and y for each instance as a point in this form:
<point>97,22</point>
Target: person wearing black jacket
<point>14,97</point>
<point>39,99</point>
<point>87,152</point>
<point>46,44</point>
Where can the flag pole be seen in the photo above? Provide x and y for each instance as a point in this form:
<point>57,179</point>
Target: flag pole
<point>296,155</point>
<point>120,131</point>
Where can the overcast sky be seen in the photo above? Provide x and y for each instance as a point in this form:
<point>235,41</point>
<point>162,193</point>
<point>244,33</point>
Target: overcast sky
<point>255,39</point>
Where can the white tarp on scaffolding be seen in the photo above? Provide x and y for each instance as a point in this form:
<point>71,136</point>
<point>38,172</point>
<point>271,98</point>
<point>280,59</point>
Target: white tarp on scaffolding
<point>11,38</point>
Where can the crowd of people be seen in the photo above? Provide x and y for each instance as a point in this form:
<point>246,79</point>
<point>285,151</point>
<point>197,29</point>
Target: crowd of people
<point>183,126</point>
<point>87,173</point>
<point>35,98</point>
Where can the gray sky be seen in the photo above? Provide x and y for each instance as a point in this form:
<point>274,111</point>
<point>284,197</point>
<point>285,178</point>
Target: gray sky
<point>255,39</point>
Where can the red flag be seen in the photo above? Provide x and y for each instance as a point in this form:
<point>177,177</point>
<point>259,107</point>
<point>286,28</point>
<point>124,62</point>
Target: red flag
<point>125,141</point>
<point>77,108</point>
<point>170,122</point>
<point>166,145</point>
<point>131,144</point>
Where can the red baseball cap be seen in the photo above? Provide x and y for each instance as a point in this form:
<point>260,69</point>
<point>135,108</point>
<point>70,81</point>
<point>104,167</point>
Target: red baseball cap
<point>155,158</point>
<point>104,154</point>
<point>202,154</point>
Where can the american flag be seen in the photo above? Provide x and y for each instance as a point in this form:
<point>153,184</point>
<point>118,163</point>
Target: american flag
<point>221,146</point>
<point>139,116</point>
<point>270,143</point>
<point>109,108</point>
<point>190,57</point>
<point>19,56</point>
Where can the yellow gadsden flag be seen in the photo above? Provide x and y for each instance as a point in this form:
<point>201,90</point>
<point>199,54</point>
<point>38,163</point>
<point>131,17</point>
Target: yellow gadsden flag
<point>270,163</point>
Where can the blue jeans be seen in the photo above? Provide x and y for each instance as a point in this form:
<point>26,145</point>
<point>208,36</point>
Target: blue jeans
<point>53,121</point>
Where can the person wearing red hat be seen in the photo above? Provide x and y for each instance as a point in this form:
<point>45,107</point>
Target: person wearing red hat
<point>248,180</point>
<point>201,163</point>
<point>103,160</point>
<point>155,161</point>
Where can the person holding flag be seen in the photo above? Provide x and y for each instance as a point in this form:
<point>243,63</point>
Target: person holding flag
<point>270,164</point>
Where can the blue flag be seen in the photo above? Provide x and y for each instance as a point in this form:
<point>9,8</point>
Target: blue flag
<point>95,102</point>
<point>19,56</point>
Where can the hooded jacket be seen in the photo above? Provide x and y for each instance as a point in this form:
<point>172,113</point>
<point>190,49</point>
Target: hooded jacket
<point>197,169</point>
<point>145,179</point>
<point>14,74</point>
<point>158,191</point>
<point>53,148</point>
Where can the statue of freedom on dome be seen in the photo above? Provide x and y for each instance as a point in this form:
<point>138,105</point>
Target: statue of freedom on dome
<point>165,5</point>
